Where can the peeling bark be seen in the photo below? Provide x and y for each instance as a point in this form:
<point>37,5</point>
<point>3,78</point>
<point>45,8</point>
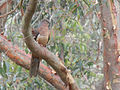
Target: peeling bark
<point>21,58</point>
<point>5,6</point>
<point>111,53</point>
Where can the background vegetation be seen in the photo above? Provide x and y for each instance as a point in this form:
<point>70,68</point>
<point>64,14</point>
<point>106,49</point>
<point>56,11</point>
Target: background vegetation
<point>76,30</point>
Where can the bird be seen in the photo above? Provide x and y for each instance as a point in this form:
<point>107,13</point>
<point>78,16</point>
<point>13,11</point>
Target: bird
<point>41,35</point>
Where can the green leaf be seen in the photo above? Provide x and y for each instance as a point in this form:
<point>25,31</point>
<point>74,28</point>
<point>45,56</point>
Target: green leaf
<point>1,71</point>
<point>93,74</point>
<point>20,36</point>
<point>90,64</point>
<point>19,69</point>
<point>4,66</point>
<point>75,60</point>
<point>26,50</point>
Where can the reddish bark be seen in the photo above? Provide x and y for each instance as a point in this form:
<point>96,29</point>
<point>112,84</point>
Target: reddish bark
<point>21,58</point>
<point>3,6</point>
<point>111,50</point>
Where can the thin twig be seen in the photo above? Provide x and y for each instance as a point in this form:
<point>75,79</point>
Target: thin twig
<point>4,15</point>
<point>37,18</point>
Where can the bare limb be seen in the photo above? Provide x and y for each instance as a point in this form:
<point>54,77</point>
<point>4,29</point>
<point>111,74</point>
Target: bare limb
<point>21,58</point>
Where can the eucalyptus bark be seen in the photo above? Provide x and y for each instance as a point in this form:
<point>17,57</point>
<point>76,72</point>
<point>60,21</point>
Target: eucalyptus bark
<point>110,19</point>
<point>21,58</point>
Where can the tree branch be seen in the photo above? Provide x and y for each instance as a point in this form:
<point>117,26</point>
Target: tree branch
<point>49,57</point>
<point>21,58</point>
<point>10,1</point>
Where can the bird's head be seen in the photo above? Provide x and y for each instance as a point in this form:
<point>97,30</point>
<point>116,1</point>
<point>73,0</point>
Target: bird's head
<point>35,33</point>
<point>45,22</point>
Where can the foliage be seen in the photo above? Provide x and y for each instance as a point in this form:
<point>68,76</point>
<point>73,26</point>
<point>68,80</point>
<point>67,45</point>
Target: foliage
<point>77,31</point>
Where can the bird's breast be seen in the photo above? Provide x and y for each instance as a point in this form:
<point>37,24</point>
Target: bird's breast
<point>42,39</point>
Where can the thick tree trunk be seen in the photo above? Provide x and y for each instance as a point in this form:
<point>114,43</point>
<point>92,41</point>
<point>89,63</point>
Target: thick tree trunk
<point>111,38</point>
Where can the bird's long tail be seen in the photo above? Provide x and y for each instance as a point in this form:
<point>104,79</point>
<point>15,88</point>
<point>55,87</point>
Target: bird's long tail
<point>34,66</point>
